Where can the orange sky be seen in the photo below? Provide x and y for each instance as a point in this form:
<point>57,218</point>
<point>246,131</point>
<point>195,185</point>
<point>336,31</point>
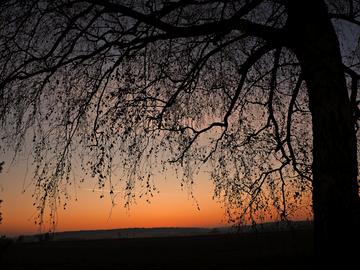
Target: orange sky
<point>172,207</point>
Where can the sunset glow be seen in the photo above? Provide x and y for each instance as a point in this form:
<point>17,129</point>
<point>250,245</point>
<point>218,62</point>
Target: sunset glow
<point>171,207</point>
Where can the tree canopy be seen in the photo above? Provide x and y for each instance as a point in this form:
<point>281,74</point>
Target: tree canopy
<point>234,86</point>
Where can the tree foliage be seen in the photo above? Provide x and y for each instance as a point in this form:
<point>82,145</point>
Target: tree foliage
<point>139,86</point>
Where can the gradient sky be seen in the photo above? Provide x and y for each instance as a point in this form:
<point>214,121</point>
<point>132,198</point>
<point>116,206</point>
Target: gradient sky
<point>173,206</point>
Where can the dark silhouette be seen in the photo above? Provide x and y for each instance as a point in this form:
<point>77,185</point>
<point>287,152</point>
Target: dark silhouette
<point>262,90</point>
<point>0,212</point>
<point>275,250</point>
<point>1,168</point>
<point>5,244</point>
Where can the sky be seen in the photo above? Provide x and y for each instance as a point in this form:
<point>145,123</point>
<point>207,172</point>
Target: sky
<point>171,207</point>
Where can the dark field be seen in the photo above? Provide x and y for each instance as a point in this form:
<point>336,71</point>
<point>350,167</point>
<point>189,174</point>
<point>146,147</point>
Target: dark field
<point>271,250</point>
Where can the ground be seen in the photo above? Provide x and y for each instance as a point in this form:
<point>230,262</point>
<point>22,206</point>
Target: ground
<point>270,250</point>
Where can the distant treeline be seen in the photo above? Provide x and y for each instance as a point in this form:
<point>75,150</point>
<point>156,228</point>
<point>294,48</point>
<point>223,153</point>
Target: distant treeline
<point>164,232</point>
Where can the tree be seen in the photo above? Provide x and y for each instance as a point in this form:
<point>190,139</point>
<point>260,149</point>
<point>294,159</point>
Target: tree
<point>1,168</point>
<point>263,91</point>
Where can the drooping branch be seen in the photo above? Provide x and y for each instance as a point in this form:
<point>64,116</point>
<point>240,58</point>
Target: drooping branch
<point>273,86</point>
<point>243,70</point>
<point>289,121</point>
<point>190,77</point>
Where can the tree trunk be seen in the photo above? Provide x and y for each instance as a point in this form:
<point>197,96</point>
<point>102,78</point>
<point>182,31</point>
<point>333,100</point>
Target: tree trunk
<point>336,202</point>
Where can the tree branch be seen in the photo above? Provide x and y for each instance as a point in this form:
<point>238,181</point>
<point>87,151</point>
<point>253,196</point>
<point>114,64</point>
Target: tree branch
<point>223,26</point>
<point>344,17</point>
<point>355,77</point>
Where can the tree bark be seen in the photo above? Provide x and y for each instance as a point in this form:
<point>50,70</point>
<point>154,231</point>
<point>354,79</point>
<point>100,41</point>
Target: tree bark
<point>336,203</point>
